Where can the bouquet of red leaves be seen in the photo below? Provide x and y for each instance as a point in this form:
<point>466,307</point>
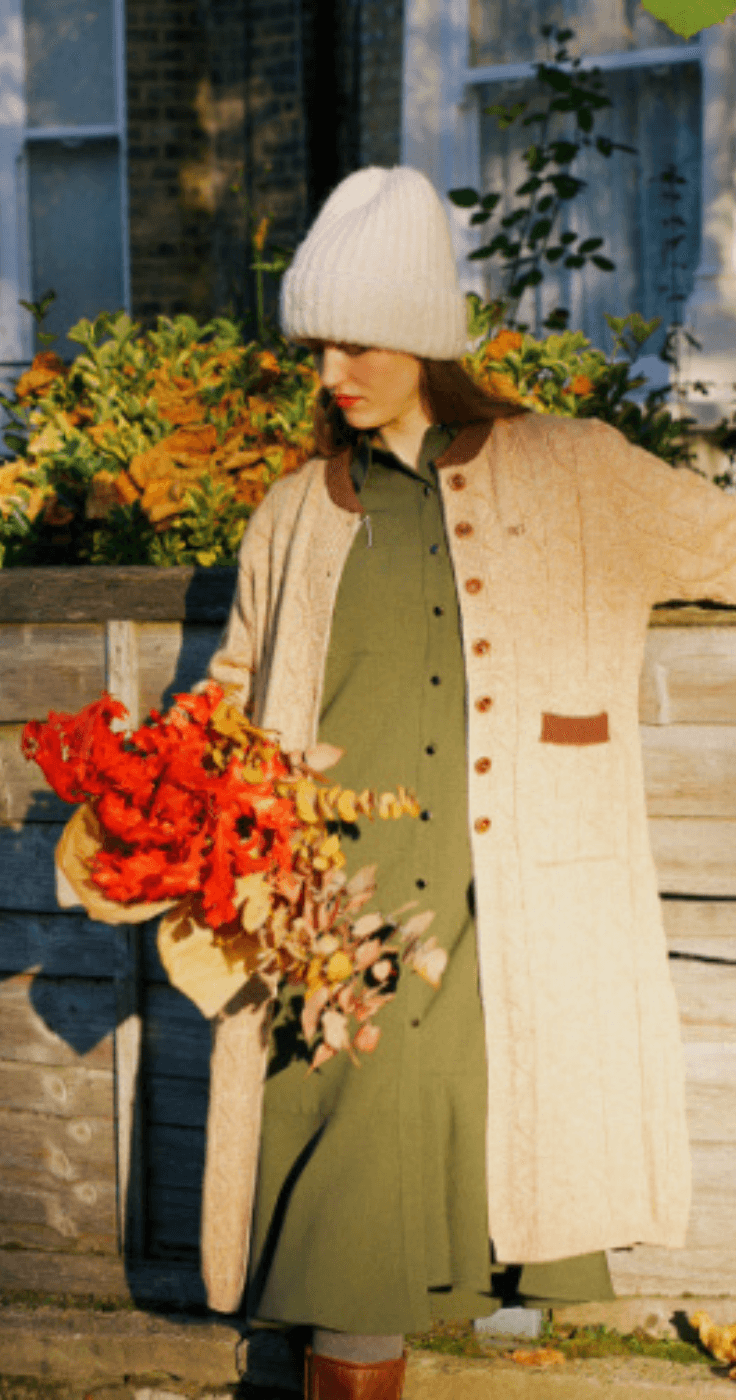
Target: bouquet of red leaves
<point>200,816</point>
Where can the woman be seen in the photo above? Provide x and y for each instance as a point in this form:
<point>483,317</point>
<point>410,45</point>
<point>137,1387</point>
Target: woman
<point>456,593</point>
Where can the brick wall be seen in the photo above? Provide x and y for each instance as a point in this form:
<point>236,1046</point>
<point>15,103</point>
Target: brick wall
<point>237,109</point>
<point>381,31</point>
<point>216,139</point>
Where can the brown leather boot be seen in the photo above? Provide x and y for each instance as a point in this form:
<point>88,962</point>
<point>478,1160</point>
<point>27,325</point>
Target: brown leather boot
<point>326,1378</point>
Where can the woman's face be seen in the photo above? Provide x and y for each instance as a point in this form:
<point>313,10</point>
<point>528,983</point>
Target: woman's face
<point>373,388</point>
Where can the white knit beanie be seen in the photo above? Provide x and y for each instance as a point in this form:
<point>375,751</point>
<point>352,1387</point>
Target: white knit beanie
<point>377,269</point>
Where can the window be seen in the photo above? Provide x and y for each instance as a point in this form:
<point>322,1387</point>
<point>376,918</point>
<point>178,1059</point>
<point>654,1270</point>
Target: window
<point>462,55</point>
<point>63,216</point>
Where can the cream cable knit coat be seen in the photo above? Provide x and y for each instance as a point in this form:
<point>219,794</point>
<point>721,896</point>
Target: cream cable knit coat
<point>574,534</point>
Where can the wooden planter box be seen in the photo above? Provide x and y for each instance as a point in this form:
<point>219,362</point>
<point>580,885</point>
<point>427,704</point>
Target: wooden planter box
<point>104,1067</point>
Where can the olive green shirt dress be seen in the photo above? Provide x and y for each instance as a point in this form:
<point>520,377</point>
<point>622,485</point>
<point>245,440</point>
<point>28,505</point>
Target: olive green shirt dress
<point>371,1211</point>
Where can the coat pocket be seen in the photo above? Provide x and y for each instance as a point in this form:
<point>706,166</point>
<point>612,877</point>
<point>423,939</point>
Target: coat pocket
<point>576,807</point>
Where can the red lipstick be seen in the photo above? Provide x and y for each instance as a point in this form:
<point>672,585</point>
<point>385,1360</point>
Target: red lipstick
<point>346,400</point>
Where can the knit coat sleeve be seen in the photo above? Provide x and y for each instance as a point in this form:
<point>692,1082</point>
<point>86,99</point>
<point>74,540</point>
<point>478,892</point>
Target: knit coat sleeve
<point>679,528</point>
<point>235,663</point>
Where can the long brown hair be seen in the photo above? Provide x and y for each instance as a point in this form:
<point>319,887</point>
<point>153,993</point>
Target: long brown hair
<point>449,395</point>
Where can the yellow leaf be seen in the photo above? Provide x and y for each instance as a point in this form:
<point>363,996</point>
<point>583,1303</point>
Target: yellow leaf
<point>330,847</point>
<point>314,972</point>
<point>346,809</point>
<point>324,805</point>
<point>253,895</point>
<point>306,791</point>
<point>388,807</point>
<point>339,967</point>
<point>366,803</point>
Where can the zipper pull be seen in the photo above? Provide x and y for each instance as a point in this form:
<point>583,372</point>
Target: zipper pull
<point>366,520</point>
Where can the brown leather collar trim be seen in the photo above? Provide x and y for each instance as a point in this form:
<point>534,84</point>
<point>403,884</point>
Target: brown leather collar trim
<point>339,482</point>
<point>465,445</point>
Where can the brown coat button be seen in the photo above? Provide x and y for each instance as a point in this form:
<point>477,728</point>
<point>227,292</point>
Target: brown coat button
<point>473,585</point>
<point>481,647</point>
<point>482,765</point>
<point>482,824</point>
<point>484,703</point>
<point>457,481</point>
<point>463,529</point>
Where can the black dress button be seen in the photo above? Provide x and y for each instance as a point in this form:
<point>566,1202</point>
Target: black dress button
<point>426,815</point>
<point>430,749</point>
<point>434,549</point>
<point>436,680</point>
<point>438,611</point>
<point>421,884</point>
<point>415,1023</point>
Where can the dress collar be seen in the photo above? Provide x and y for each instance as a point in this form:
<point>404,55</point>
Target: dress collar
<point>466,445</point>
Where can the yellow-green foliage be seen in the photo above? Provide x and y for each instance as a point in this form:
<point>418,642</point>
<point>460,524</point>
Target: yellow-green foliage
<point>155,447</point>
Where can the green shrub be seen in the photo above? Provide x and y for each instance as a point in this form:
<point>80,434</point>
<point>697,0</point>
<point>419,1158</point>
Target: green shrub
<point>155,447</point>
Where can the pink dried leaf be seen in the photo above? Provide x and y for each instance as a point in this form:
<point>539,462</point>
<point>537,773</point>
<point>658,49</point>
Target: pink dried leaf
<point>322,1054</point>
<point>346,998</point>
<point>394,917</point>
<point>368,924</point>
<point>429,962</point>
<point>382,969</point>
<point>367,1037</point>
<point>370,949</point>
<point>335,1029</point>
<point>322,756</point>
<point>314,1005</point>
<point>362,880</point>
<point>416,926</point>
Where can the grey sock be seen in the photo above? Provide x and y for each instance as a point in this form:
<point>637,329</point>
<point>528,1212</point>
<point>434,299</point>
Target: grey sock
<point>361,1347</point>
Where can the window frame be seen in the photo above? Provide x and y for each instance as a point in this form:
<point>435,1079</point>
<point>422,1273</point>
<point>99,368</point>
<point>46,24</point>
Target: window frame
<point>441,92</point>
<point>16,138</point>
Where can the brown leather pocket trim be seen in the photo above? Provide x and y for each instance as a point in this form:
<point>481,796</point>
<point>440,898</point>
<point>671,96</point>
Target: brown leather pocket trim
<point>575,729</point>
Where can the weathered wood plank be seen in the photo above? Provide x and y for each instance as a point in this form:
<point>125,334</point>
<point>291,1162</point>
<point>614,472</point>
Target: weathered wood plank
<point>138,592</point>
<point>24,792</point>
<point>172,658</point>
<point>708,1262</point>
<point>61,1272</point>
<point>27,867</point>
<point>177,1037</point>
<point>180,1103</point>
<point>64,1022</point>
<point>70,1213</point>
<point>65,1149</point>
<point>690,770</point>
<point>711,1094</point>
<point>66,1091</point>
<point>689,673</point>
<point>49,667</point>
<point>22,1235</point>
<point>706,995</point>
<point>55,944</point>
<point>174,1221</point>
<point>176,1157</point>
<point>701,927</point>
<point>695,855</point>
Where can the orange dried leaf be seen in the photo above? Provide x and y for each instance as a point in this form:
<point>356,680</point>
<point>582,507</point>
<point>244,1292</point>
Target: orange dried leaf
<point>541,1356</point>
<point>503,342</point>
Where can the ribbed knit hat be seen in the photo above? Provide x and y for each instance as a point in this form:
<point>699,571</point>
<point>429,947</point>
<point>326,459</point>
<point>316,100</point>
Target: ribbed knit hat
<point>377,269</point>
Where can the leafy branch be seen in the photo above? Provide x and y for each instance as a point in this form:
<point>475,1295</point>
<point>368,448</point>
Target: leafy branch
<point>529,239</point>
